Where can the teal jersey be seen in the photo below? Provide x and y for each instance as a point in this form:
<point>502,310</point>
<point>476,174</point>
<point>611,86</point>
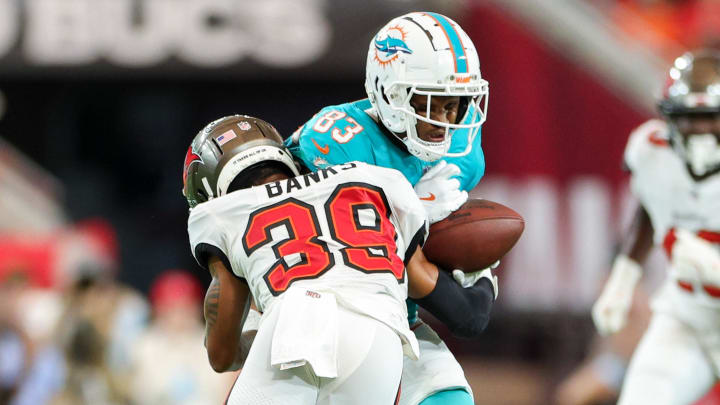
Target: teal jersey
<point>344,133</point>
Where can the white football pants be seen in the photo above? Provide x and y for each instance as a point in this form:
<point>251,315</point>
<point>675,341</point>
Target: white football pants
<point>435,370</point>
<point>677,359</point>
<point>369,363</point>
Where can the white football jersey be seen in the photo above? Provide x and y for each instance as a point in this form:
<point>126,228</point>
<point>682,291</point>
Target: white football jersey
<point>662,183</point>
<point>347,229</point>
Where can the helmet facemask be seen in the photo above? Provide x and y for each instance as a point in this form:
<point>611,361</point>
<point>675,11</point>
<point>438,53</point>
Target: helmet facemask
<point>703,154</point>
<point>471,115</point>
<point>699,149</point>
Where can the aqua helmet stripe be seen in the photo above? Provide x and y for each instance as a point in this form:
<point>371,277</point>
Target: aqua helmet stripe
<point>456,46</point>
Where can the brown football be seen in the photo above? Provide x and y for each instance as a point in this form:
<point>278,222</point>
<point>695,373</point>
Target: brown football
<point>475,236</point>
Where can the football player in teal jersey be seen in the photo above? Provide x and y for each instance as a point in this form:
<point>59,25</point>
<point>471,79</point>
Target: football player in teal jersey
<point>426,104</point>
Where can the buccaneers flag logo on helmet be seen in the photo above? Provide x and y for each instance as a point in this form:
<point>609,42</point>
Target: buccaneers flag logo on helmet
<point>190,158</point>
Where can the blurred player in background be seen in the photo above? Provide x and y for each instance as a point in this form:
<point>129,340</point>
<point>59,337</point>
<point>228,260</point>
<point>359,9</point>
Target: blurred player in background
<point>598,379</point>
<point>426,103</point>
<point>323,257</point>
<point>675,166</point>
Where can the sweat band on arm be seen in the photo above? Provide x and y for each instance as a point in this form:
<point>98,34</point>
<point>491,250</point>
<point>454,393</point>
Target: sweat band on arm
<point>465,311</point>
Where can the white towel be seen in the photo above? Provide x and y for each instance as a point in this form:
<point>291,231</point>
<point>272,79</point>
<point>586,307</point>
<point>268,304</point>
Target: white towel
<point>306,332</point>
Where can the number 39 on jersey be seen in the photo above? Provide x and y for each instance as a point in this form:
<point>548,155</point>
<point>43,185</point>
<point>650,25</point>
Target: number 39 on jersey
<point>366,247</point>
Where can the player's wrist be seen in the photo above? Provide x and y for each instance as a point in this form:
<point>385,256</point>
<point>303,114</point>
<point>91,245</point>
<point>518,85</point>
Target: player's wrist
<point>468,280</point>
<point>610,311</point>
<point>466,311</point>
<point>625,272</point>
<point>487,285</point>
<point>252,320</point>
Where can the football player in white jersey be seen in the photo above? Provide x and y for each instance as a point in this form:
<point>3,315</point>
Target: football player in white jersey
<point>322,256</point>
<point>675,165</point>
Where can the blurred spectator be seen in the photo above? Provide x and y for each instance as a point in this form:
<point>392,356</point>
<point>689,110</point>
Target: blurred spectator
<point>102,318</point>
<point>31,367</point>
<point>101,322</point>
<point>670,26</point>
<point>171,363</point>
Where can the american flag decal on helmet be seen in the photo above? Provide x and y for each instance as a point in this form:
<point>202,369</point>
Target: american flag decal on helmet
<point>225,137</point>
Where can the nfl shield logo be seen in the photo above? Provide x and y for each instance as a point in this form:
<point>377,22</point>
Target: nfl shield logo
<point>244,125</point>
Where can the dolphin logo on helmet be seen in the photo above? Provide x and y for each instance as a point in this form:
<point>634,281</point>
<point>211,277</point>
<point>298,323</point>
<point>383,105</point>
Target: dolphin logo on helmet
<point>391,46</point>
<point>388,43</point>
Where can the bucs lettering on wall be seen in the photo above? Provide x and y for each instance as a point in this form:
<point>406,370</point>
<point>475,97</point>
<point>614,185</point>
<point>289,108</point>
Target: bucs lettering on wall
<point>182,38</point>
<point>141,33</point>
<point>358,218</point>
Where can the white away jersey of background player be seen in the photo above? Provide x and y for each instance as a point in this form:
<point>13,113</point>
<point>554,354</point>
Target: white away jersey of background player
<point>347,229</point>
<point>662,183</point>
<point>678,358</point>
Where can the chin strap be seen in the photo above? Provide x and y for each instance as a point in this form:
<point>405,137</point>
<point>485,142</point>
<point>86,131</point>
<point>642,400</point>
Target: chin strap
<point>703,153</point>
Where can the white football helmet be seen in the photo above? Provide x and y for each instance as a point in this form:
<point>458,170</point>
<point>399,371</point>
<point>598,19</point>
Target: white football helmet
<point>427,54</point>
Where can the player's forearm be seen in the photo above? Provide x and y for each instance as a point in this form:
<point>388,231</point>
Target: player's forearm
<point>219,355</point>
<point>422,275</point>
<point>610,311</point>
<point>465,311</point>
<point>246,340</point>
<point>225,305</point>
<point>247,337</point>
<point>638,241</point>
<point>222,354</point>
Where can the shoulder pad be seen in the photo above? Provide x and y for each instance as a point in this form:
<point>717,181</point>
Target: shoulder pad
<point>329,138</point>
<point>207,237</point>
<point>645,139</point>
